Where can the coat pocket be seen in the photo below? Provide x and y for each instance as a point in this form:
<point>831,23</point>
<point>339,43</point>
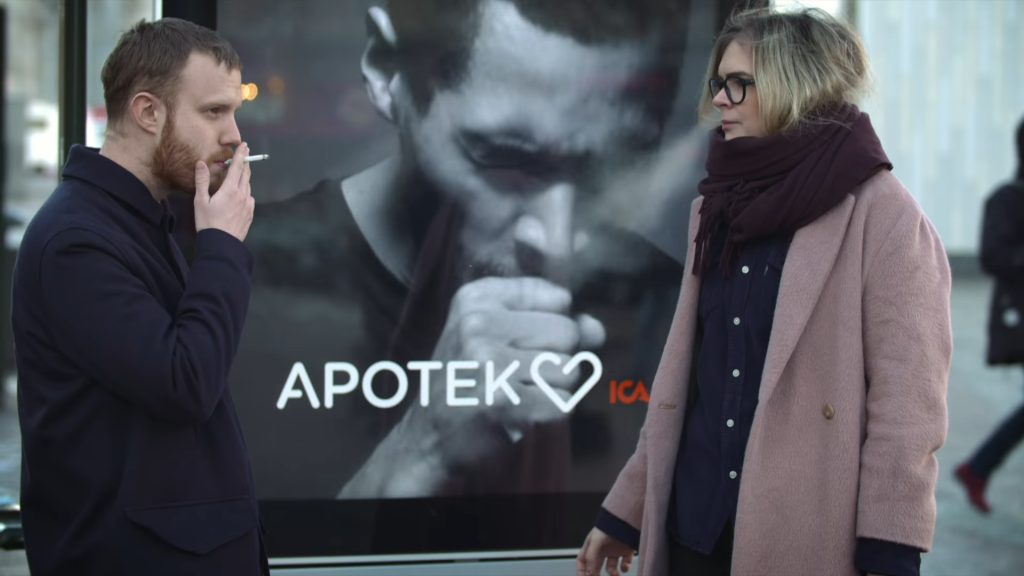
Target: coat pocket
<point>197,527</point>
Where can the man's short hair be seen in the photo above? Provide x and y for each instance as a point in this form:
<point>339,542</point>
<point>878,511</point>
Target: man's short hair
<point>435,36</point>
<point>150,58</point>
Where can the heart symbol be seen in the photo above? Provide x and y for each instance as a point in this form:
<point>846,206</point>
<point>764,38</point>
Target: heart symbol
<point>566,406</point>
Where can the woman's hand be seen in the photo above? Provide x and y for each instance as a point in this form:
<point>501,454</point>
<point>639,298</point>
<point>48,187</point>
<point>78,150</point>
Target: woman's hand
<point>600,546</point>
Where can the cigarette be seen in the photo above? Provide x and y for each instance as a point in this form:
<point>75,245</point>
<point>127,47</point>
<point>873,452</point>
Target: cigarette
<point>255,158</point>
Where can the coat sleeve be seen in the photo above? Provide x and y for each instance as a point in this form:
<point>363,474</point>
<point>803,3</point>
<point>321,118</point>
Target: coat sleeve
<point>908,350</point>
<point>625,501</point>
<point>1002,234</point>
<point>109,324</point>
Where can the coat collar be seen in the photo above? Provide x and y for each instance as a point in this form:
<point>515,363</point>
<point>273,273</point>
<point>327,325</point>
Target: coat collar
<point>88,165</point>
<point>810,260</point>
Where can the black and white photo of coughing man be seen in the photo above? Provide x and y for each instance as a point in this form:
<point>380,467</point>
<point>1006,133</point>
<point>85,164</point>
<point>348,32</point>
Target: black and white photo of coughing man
<point>501,228</point>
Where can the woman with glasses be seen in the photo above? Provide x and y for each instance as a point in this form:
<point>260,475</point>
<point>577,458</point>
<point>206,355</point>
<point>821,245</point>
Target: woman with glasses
<point>801,396</point>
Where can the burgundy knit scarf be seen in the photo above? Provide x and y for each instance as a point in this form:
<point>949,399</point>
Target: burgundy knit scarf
<point>760,187</point>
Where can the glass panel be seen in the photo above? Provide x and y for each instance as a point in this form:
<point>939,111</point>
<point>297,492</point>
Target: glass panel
<point>31,123</point>
<point>106,21</point>
<point>31,108</point>
<point>510,145</point>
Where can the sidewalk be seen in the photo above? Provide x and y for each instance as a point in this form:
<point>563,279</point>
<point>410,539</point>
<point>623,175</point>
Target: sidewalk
<point>966,543</point>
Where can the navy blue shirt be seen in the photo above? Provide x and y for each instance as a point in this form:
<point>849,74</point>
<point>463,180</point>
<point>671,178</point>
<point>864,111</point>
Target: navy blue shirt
<point>134,461</point>
<point>735,320</point>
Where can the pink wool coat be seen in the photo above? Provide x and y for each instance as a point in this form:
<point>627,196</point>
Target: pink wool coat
<point>852,404</point>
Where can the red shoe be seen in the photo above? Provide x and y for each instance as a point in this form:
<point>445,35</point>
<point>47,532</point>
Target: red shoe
<point>975,486</point>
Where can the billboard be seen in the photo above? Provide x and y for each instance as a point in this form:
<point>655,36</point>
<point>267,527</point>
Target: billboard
<point>470,238</point>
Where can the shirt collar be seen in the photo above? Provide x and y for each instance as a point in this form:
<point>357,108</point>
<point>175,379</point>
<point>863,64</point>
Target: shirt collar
<point>89,165</point>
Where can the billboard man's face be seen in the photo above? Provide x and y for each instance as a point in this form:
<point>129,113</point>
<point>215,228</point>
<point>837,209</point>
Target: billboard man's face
<point>525,140</point>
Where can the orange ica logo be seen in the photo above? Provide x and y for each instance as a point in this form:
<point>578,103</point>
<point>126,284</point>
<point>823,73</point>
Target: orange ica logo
<point>626,392</point>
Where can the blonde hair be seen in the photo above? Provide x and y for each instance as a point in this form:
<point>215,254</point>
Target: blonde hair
<point>804,62</point>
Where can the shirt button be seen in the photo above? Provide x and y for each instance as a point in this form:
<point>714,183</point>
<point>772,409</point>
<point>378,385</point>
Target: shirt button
<point>829,411</point>
<point>746,269</point>
<point>736,321</point>
<point>729,423</point>
<point>736,373</point>
<point>732,474</point>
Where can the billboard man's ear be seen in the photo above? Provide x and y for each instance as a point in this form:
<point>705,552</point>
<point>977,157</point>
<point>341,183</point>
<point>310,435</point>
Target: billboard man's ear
<point>379,62</point>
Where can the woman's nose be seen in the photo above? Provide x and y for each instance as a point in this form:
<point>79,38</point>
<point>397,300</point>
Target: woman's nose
<point>721,99</point>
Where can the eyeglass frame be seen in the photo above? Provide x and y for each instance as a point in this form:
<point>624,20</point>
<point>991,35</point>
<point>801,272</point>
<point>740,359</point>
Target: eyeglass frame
<point>725,84</point>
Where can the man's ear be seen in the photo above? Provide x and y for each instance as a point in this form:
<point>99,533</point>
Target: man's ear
<point>380,62</point>
<point>146,111</point>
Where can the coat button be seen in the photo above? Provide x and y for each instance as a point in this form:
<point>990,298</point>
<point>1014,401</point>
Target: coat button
<point>829,411</point>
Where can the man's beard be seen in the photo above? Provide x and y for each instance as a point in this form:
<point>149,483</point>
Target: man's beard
<point>174,162</point>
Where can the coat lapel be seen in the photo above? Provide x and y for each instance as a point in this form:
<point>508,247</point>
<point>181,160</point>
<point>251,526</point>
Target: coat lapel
<point>809,262</point>
<point>678,352</point>
<point>669,393</point>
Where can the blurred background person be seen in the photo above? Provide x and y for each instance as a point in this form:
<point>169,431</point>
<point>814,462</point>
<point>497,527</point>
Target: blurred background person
<point>1002,257</point>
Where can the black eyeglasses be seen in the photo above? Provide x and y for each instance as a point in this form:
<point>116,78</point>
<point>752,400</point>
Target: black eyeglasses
<point>732,85</point>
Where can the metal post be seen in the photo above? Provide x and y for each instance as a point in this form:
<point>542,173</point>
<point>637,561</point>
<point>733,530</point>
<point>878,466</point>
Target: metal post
<point>850,12</point>
<point>202,12</point>
<point>72,76</point>
<point>5,277</point>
